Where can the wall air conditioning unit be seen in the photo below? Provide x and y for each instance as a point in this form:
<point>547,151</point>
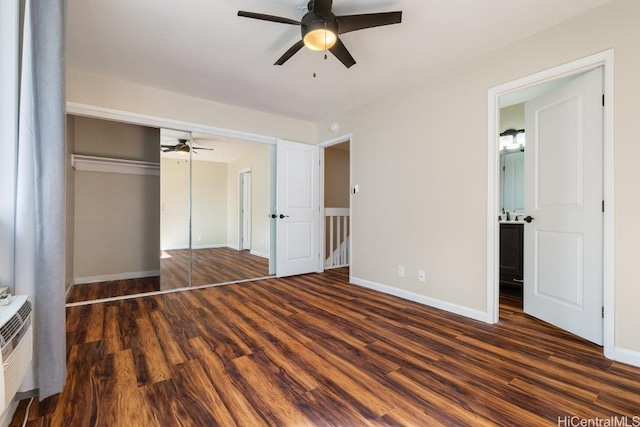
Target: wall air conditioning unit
<point>16,347</point>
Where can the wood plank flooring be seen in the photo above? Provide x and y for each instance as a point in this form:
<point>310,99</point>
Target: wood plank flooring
<point>113,288</point>
<point>315,351</point>
<point>212,265</point>
<point>511,298</point>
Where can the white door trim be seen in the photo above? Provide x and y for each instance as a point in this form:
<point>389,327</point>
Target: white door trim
<point>328,143</point>
<point>241,173</point>
<point>86,110</point>
<point>603,59</point>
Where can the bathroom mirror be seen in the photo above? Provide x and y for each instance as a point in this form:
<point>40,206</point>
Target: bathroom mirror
<point>512,146</point>
<point>512,181</point>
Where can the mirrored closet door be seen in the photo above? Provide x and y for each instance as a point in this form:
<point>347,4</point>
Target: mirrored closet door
<point>155,209</point>
<point>215,202</point>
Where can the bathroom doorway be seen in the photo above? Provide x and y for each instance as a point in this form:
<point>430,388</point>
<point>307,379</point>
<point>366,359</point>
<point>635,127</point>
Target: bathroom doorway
<point>547,248</point>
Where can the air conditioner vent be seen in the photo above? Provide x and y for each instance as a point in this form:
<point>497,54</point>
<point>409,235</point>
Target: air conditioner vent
<point>13,325</point>
<point>25,311</point>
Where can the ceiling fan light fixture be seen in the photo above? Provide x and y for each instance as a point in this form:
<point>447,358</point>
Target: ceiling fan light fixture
<point>320,39</point>
<point>318,33</point>
<point>183,149</point>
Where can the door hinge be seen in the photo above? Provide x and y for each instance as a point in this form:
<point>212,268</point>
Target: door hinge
<point>603,206</point>
<point>603,100</point>
<point>603,312</point>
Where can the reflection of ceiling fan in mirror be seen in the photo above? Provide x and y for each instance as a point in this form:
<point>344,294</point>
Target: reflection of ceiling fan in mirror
<point>182,147</point>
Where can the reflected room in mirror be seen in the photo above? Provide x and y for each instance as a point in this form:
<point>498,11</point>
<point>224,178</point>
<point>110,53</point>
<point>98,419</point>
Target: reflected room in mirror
<point>152,212</point>
<point>215,203</point>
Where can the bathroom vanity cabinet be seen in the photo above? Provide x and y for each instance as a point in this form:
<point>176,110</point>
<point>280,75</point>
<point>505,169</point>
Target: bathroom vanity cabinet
<point>511,253</point>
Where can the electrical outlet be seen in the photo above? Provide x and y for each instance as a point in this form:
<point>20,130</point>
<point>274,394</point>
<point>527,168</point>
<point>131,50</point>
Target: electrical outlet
<point>401,271</point>
<point>422,276</point>
<point>199,238</point>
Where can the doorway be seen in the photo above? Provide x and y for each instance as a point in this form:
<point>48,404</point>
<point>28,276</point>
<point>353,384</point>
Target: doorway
<point>524,88</point>
<point>336,202</point>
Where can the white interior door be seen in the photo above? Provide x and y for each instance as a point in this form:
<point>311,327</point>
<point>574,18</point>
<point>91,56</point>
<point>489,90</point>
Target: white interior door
<point>564,193</point>
<point>298,212</point>
<point>246,211</point>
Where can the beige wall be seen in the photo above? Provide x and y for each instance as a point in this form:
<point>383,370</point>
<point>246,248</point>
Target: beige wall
<point>258,161</point>
<point>336,178</point>
<point>433,174</point>
<point>105,138</point>
<point>117,220</point>
<point>209,206</point>
<point>174,204</point>
<point>512,117</point>
<point>91,89</point>
<point>215,202</point>
<point>209,187</point>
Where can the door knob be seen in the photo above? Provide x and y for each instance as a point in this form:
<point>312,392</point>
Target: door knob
<point>283,216</point>
<point>529,218</point>
<point>273,216</point>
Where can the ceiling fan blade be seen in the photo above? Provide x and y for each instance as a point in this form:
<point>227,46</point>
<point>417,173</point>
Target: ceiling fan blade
<point>348,23</point>
<point>322,7</point>
<point>269,18</point>
<point>288,54</point>
<point>168,150</point>
<point>341,52</point>
<point>167,146</point>
<point>202,148</point>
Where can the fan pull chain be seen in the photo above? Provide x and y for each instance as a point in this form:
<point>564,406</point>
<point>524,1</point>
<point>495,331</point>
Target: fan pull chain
<point>314,65</point>
<point>325,40</point>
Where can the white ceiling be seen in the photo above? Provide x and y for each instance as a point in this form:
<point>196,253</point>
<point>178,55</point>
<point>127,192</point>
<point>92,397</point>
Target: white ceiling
<point>203,49</point>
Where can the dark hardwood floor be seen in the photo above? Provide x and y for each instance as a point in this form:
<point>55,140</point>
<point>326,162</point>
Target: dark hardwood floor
<point>221,265</point>
<point>315,350</point>
<point>209,266</point>
<point>113,288</point>
<point>213,265</point>
<point>511,298</point>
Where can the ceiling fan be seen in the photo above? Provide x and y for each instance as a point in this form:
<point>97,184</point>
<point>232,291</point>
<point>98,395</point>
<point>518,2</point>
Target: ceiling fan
<point>321,28</point>
<point>182,147</point>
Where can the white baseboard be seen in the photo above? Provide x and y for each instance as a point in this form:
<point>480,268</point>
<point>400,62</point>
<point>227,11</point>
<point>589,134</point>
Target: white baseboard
<point>68,291</point>
<point>629,357</point>
<point>236,247</point>
<point>431,302</point>
<point>215,245</point>
<point>119,276</point>
<point>260,254</point>
<point>175,248</point>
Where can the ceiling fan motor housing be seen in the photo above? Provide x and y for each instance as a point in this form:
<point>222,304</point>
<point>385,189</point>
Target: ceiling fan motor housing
<point>313,21</point>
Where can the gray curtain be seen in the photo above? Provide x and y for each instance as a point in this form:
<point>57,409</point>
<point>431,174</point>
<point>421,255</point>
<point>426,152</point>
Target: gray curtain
<point>40,189</point>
